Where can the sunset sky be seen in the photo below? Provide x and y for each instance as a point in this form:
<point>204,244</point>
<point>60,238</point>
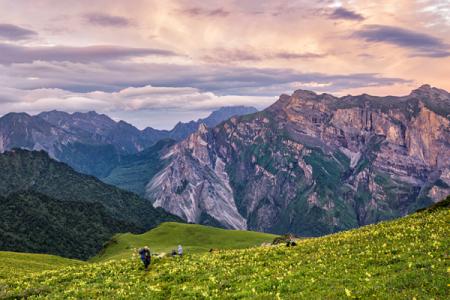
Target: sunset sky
<point>153,63</point>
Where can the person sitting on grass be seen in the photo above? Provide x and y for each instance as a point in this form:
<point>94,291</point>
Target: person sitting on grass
<point>145,257</point>
<point>180,250</point>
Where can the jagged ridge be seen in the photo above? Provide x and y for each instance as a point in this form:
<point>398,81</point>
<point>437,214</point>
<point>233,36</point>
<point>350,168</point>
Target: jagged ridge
<point>313,164</point>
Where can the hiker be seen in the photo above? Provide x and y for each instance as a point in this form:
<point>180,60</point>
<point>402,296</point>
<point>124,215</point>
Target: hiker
<point>180,250</point>
<point>145,257</point>
<point>291,243</point>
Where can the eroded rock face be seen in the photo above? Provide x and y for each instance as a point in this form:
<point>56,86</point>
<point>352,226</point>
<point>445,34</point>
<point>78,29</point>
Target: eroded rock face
<point>195,185</point>
<point>313,164</point>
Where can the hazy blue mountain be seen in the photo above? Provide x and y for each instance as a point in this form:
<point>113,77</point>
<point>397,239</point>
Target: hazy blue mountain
<point>182,130</point>
<point>91,143</point>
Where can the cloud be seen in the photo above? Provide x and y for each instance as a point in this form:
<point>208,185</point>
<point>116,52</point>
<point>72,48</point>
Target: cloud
<point>128,99</point>
<point>15,33</point>
<point>201,12</point>
<point>154,106</point>
<point>159,107</point>
<point>223,55</point>
<point>220,79</point>
<point>293,55</point>
<point>422,44</point>
<point>22,54</point>
<point>100,19</point>
<point>345,14</point>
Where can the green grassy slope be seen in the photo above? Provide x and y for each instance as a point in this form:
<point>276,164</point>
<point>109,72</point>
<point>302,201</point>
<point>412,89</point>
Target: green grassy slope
<point>402,259</point>
<point>47,207</point>
<point>32,222</point>
<point>24,170</point>
<point>20,264</point>
<point>194,239</point>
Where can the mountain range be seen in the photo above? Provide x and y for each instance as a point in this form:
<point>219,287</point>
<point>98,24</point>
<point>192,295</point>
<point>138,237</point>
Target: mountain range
<point>312,164</point>
<point>92,143</point>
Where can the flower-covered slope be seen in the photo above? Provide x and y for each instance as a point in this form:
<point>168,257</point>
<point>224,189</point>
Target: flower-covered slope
<point>402,259</point>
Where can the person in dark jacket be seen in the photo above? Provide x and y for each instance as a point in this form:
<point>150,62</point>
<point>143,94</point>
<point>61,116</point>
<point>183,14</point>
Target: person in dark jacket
<point>145,257</point>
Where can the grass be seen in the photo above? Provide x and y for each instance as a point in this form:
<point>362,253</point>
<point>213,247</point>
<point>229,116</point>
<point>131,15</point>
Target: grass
<point>20,264</point>
<point>194,239</point>
<point>402,259</point>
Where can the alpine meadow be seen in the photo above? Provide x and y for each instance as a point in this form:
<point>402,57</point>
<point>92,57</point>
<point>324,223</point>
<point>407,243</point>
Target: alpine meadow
<point>402,259</point>
<point>225,149</point>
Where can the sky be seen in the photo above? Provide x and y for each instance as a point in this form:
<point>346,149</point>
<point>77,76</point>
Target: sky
<point>154,63</point>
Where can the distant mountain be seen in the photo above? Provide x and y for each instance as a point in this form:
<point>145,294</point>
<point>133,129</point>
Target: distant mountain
<point>23,130</point>
<point>100,129</point>
<point>46,206</point>
<point>183,130</point>
<point>312,163</point>
<point>91,143</point>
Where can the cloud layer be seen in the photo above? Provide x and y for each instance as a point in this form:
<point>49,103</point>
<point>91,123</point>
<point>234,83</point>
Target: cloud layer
<point>140,58</point>
<point>422,44</point>
<point>101,19</point>
<point>19,54</point>
<point>343,13</point>
<point>15,33</point>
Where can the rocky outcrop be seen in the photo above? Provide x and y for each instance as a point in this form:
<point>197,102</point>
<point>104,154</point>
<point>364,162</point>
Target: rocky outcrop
<point>313,164</point>
<point>195,185</point>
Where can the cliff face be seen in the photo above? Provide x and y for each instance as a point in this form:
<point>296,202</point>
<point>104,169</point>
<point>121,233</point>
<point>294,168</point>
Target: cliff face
<point>313,164</point>
<point>196,186</point>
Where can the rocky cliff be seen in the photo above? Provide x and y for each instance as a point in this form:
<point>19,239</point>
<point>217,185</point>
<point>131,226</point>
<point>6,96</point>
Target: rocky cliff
<point>313,164</point>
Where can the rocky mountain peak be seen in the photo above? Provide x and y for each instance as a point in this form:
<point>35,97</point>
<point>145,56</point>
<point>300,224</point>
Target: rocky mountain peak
<point>313,163</point>
<point>16,116</point>
<point>227,112</point>
<point>53,113</point>
<point>424,87</point>
<point>428,90</point>
<point>304,94</point>
<point>437,100</point>
<point>126,125</point>
<point>202,128</point>
<point>92,113</point>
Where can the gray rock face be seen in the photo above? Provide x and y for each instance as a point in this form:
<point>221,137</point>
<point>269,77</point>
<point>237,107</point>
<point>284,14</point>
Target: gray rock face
<point>314,164</point>
<point>196,184</point>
